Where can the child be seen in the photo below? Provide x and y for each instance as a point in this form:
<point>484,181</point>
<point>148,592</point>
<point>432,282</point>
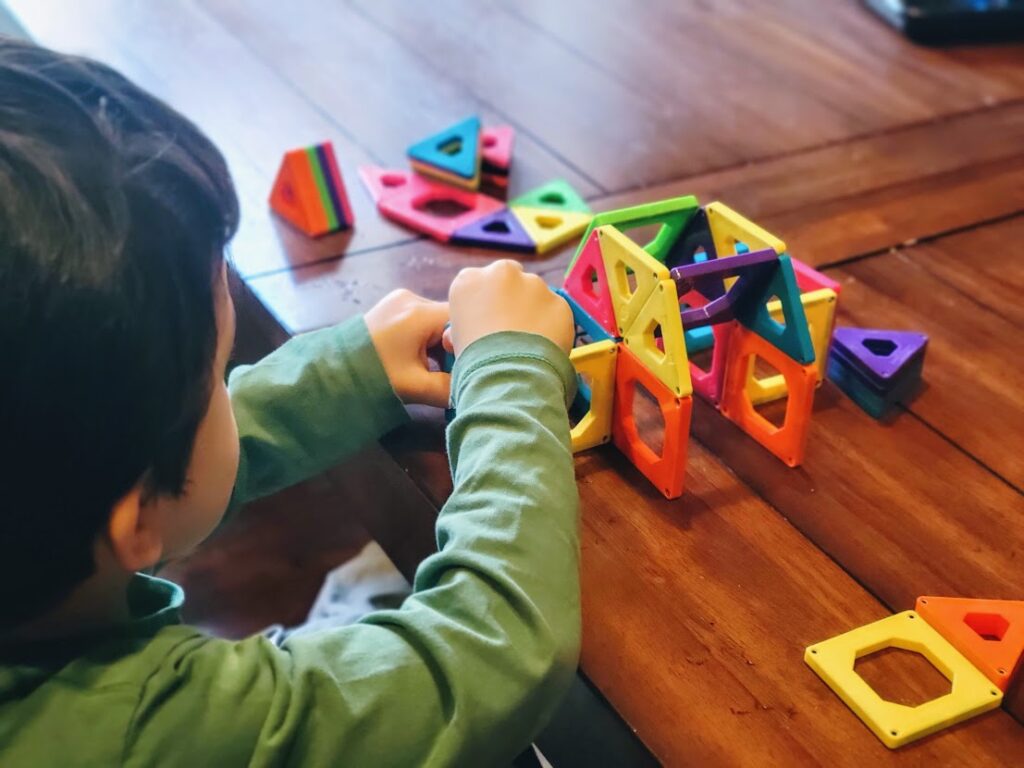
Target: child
<point>122,446</point>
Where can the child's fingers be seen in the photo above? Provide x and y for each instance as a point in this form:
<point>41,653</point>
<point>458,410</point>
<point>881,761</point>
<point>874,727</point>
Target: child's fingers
<point>434,388</point>
<point>446,341</point>
<point>434,320</point>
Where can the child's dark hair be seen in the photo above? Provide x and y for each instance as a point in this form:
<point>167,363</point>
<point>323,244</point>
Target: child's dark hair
<point>114,215</point>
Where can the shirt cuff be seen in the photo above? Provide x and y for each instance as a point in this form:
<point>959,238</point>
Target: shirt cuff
<point>509,346</point>
<point>353,337</point>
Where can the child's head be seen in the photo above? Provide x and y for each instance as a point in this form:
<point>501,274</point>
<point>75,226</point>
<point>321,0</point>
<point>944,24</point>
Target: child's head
<point>117,442</point>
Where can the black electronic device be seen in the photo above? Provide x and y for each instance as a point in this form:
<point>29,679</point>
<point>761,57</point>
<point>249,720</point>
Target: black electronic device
<point>953,21</point>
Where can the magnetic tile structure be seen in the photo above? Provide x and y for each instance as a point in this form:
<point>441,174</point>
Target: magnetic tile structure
<point>708,282</point>
<point>705,270</point>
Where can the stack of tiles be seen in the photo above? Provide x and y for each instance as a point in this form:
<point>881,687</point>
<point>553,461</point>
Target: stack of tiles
<point>634,304</point>
<point>876,368</point>
<point>466,154</point>
<point>452,156</point>
<point>496,153</point>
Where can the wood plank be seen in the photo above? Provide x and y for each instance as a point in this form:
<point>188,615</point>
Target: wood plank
<point>242,102</point>
<point>873,193</point>
<point>1006,64</point>
<point>902,510</point>
<point>707,664</point>
<point>582,113</point>
<point>676,89</point>
<point>371,84</point>
<point>964,292</point>
<point>903,215</point>
<point>732,596</point>
<point>323,294</point>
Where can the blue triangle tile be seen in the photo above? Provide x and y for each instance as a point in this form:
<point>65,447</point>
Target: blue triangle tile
<point>454,150</point>
<point>793,337</point>
<point>881,355</point>
<point>497,230</point>
<point>588,325</point>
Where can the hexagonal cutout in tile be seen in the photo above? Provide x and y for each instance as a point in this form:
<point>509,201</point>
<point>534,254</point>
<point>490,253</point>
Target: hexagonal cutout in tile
<point>902,677</point>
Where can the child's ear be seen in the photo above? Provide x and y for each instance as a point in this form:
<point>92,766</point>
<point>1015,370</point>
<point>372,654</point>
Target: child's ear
<point>135,540</point>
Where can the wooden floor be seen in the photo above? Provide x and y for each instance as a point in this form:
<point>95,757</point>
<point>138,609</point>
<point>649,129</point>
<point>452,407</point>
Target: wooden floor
<point>897,170</point>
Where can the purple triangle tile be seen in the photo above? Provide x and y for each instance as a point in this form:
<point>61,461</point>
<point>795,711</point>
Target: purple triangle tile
<point>880,354</point>
<point>496,230</point>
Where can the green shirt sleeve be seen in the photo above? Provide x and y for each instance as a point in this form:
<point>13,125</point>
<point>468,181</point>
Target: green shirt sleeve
<point>473,664</point>
<point>318,398</point>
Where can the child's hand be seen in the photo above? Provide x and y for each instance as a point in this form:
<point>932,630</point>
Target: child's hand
<point>403,326</point>
<point>501,297</point>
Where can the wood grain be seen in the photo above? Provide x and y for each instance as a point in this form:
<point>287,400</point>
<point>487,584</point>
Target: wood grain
<point>814,119</point>
<point>642,94</point>
<point>731,597</point>
<point>964,292</point>
<point>904,511</point>
<point>870,194</point>
<point>322,294</point>
<point>697,613</point>
<point>384,95</point>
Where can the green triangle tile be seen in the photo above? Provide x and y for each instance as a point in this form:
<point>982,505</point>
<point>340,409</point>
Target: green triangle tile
<point>557,194</point>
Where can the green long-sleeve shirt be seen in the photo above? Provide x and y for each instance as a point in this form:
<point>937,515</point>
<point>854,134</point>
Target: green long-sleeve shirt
<point>465,673</point>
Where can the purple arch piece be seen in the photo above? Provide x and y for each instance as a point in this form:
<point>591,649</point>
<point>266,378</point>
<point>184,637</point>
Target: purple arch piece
<point>706,276</point>
<point>731,266</point>
<point>500,229</point>
<point>881,355</point>
<point>753,270</point>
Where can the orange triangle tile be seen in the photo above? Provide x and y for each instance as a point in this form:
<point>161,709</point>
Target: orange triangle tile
<point>990,633</point>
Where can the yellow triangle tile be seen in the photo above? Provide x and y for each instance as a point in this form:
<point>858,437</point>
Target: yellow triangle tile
<point>670,362</point>
<point>550,228</point>
<point>633,274</point>
<point>729,227</point>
